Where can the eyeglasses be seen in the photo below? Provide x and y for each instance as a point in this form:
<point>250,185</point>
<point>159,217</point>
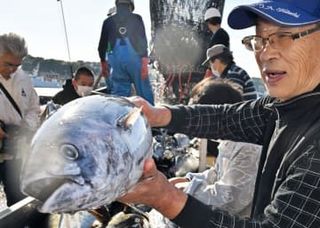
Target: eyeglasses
<point>277,40</point>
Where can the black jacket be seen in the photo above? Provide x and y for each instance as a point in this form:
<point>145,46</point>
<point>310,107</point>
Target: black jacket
<point>220,37</point>
<point>67,94</point>
<point>135,32</point>
<point>288,186</point>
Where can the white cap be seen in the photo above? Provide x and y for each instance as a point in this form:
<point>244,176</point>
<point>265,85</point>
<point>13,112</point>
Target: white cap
<point>211,12</point>
<point>112,11</point>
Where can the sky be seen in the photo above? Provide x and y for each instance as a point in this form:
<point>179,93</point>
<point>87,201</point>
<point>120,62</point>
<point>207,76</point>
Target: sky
<point>41,23</point>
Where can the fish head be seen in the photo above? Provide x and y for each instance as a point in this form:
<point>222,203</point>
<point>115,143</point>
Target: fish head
<point>87,154</point>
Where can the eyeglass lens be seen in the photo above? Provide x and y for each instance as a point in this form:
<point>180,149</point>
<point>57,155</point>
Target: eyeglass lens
<point>277,40</point>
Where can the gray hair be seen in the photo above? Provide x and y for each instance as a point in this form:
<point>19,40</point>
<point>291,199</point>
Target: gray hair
<point>13,44</point>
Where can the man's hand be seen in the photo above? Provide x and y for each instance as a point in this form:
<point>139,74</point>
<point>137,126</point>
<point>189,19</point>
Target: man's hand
<point>155,191</point>
<point>144,68</point>
<point>156,116</point>
<point>104,68</point>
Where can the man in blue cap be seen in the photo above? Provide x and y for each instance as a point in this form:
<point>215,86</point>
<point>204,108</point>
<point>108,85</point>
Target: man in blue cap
<point>286,123</point>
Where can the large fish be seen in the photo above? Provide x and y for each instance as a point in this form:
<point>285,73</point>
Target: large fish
<point>87,154</point>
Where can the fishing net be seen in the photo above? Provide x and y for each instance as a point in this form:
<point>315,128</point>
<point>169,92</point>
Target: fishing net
<point>179,39</point>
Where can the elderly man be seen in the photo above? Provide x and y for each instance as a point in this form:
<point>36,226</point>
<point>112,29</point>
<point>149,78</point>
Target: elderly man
<point>286,123</point>
<point>19,107</point>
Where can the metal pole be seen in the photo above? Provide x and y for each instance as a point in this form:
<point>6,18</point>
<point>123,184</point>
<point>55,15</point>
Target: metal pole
<point>203,155</point>
<point>66,36</point>
<point>65,30</point>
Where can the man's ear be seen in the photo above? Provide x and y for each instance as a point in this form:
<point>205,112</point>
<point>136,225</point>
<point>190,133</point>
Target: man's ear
<point>74,83</point>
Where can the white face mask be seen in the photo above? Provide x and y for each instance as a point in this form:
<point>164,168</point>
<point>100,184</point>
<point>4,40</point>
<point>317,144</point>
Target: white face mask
<point>84,90</point>
<point>215,72</point>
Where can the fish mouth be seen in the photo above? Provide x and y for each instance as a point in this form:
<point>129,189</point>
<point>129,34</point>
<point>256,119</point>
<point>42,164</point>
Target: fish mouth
<point>57,194</point>
<point>42,189</point>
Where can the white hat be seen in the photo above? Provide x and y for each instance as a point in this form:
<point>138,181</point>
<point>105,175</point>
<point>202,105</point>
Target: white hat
<point>211,12</point>
<point>112,11</point>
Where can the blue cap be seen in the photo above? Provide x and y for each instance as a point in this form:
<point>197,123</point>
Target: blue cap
<point>290,13</point>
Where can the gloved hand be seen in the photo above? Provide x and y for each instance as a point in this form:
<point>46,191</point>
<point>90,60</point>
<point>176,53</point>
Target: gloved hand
<point>144,68</point>
<point>208,74</point>
<point>104,68</point>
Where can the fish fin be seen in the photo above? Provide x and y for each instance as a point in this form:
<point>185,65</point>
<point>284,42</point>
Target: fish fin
<point>128,120</point>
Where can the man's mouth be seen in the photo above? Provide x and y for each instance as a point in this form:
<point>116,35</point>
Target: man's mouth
<point>273,76</point>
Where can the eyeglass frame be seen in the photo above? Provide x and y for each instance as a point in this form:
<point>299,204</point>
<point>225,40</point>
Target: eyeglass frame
<point>293,36</point>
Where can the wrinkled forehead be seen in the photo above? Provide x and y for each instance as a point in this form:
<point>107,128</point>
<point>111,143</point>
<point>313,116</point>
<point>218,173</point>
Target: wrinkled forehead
<point>266,27</point>
<point>10,57</point>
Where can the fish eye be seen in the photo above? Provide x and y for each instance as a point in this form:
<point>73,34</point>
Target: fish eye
<point>69,152</point>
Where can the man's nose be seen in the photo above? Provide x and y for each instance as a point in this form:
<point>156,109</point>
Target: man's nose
<point>268,52</point>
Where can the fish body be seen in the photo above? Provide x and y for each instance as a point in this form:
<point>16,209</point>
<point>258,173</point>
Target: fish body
<point>87,154</point>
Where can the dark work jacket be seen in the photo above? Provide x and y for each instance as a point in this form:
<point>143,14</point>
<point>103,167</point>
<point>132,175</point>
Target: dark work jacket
<point>220,37</point>
<point>288,186</point>
<point>135,32</point>
<point>67,94</point>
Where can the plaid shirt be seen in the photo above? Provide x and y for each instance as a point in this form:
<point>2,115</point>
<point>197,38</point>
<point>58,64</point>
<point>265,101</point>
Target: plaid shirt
<point>288,191</point>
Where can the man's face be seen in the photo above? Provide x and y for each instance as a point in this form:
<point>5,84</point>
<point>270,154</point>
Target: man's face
<point>212,28</point>
<point>83,80</point>
<point>83,85</point>
<point>292,70</point>
<point>215,66</point>
<point>9,63</point>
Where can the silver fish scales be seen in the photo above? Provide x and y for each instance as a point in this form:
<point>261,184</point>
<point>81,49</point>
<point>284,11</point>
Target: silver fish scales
<point>87,154</point>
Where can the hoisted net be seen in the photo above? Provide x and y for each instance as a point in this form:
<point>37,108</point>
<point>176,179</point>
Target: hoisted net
<point>179,39</point>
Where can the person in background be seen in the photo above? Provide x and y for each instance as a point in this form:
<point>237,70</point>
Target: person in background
<point>221,185</point>
<point>123,46</point>
<point>233,175</point>
<point>212,17</point>
<point>222,65</point>
<point>104,70</point>
<point>19,111</point>
<point>287,123</point>
<point>212,90</point>
<point>79,86</point>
